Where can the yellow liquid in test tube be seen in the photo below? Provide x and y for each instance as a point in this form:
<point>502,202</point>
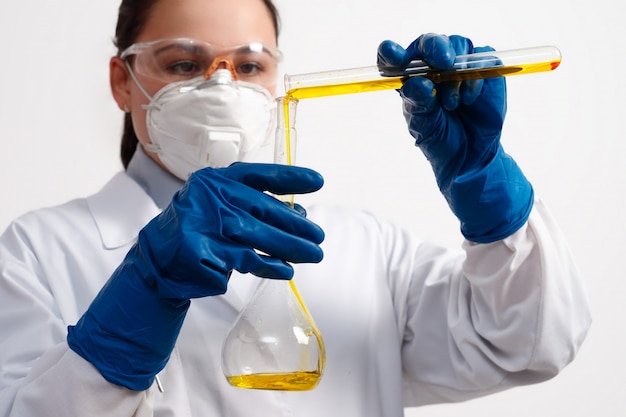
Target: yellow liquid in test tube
<point>396,82</point>
<point>369,79</point>
<point>333,83</point>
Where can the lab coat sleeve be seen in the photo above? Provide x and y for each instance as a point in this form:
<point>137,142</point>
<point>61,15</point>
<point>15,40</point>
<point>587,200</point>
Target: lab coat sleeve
<point>510,313</point>
<point>63,383</point>
<point>40,375</point>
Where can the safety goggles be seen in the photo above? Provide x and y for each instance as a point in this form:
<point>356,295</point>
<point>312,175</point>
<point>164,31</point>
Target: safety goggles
<point>179,59</point>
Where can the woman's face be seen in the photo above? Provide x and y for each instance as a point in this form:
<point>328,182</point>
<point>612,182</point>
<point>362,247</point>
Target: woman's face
<point>224,23</point>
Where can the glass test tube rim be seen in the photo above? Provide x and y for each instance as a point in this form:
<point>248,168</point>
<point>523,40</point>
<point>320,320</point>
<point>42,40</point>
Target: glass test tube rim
<point>511,57</point>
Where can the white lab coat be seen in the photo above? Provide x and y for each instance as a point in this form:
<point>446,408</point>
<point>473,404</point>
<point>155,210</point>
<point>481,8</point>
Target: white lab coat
<point>405,323</point>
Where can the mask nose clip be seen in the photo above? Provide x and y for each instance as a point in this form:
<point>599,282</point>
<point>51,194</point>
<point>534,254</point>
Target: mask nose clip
<point>220,65</point>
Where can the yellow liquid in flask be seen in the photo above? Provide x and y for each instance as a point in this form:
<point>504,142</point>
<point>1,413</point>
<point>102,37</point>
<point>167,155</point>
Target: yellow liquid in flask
<point>292,381</point>
<point>303,379</point>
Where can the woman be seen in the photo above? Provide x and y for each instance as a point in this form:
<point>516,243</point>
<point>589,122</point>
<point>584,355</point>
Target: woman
<point>96,293</point>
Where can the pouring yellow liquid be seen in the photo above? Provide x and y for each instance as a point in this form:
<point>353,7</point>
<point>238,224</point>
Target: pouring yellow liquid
<point>307,380</point>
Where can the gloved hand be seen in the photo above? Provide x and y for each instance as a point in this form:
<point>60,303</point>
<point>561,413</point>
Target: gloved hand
<point>458,125</point>
<point>212,226</point>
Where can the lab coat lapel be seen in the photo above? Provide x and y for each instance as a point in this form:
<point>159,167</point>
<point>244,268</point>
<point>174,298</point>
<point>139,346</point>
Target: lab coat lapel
<point>120,210</point>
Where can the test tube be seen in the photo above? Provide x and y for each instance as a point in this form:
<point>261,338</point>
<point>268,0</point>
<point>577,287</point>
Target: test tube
<point>466,67</point>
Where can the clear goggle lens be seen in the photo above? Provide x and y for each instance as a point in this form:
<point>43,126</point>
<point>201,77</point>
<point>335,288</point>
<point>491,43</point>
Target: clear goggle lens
<point>179,59</point>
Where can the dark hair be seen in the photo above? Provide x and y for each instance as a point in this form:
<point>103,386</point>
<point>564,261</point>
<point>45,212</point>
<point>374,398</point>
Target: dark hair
<point>131,19</point>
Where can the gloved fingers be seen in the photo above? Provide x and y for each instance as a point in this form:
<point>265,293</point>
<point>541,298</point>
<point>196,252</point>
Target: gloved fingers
<point>483,120</point>
<point>470,90</point>
<point>485,103</point>
<point>461,45</point>
<point>427,122</point>
<point>454,93</point>
<point>247,260</point>
<point>238,190</point>
<point>200,266</point>
<point>441,52</point>
<point>275,178</point>
<point>268,210</point>
<point>438,51</point>
<point>222,217</point>
<point>450,94</point>
<point>267,267</point>
<point>391,55</point>
<point>264,223</point>
<point>274,242</point>
<point>211,203</point>
<point>419,96</point>
<point>298,208</point>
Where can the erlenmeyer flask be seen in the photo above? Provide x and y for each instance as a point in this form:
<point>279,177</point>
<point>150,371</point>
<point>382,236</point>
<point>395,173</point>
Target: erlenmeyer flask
<point>274,343</point>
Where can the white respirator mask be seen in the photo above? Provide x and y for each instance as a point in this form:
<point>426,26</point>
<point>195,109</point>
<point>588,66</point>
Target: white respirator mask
<point>213,122</point>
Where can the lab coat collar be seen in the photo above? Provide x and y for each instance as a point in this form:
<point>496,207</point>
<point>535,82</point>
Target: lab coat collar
<point>120,210</point>
<point>158,183</point>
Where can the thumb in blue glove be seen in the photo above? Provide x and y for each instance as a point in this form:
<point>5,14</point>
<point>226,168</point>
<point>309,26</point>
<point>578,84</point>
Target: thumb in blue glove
<point>219,221</point>
<point>458,125</point>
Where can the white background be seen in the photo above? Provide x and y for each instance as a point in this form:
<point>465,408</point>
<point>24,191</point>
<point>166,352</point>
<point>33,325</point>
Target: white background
<point>60,139</point>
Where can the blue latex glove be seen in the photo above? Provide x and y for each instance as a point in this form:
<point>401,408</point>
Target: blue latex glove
<point>458,126</point>
<point>211,227</point>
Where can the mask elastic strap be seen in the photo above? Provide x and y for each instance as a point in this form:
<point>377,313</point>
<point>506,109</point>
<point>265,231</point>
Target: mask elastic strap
<point>149,147</point>
<point>152,104</point>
